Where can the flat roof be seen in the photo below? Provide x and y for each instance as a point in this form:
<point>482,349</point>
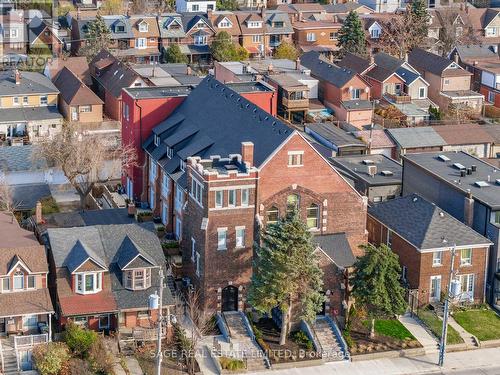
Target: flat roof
<point>333,134</point>
<point>446,168</point>
<point>158,91</point>
<point>389,171</point>
<point>252,86</point>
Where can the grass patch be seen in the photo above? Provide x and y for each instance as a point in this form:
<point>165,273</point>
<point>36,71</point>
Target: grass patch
<point>49,206</point>
<point>484,324</point>
<point>435,325</point>
<point>392,328</point>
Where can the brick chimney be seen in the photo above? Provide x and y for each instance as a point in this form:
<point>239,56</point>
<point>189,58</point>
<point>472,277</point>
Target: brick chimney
<point>38,212</point>
<point>468,209</point>
<point>297,64</point>
<point>17,76</point>
<point>188,70</point>
<point>247,153</point>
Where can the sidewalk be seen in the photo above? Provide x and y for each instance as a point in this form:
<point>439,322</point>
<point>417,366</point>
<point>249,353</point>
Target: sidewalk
<point>469,340</point>
<point>428,341</point>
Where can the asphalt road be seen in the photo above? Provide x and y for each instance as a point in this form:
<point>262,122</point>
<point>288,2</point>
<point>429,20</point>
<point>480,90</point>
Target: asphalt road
<point>480,371</point>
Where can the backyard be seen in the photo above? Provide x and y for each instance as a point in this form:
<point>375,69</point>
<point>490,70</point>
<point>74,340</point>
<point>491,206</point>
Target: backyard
<point>435,324</point>
<point>482,323</point>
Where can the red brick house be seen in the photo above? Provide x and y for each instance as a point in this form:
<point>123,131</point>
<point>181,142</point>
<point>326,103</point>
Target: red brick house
<point>220,168</point>
<point>103,275</point>
<point>424,236</point>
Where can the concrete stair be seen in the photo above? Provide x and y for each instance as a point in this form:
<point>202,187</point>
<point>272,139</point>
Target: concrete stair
<point>331,349</point>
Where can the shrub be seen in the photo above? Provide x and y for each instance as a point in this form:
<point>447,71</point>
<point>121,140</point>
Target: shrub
<point>79,366</point>
<point>231,364</point>
<point>50,358</point>
<point>491,111</point>
<point>99,358</point>
<point>78,339</point>
<point>300,338</point>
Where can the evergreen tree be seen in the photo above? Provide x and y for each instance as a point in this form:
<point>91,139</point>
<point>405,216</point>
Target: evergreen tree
<point>97,38</point>
<point>376,283</point>
<point>227,5</point>
<point>224,49</point>
<point>420,22</point>
<point>286,270</point>
<point>286,51</point>
<point>352,36</point>
<point>173,54</point>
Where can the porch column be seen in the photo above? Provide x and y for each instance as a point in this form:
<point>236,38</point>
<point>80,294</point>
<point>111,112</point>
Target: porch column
<point>50,327</point>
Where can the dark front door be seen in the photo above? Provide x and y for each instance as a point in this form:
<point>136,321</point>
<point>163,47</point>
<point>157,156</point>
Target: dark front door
<point>2,326</point>
<point>230,298</point>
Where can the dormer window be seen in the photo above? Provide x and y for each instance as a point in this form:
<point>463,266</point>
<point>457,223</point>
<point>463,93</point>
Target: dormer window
<point>182,165</point>
<point>88,282</point>
<point>225,24</point>
<point>254,24</point>
<point>170,152</point>
<point>137,279</point>
<point>143,27</point>
<point>120,29</point>
<point>18,280</point>
<point>200,25</point>
<point>157,140</point>
<point>278,24</point>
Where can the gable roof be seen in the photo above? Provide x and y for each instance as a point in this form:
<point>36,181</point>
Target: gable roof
<point>325,70</point>
<point>464,134</point>
<point>425,225</point>
<point>129,251</point>
<point>79,254</point>
<point>32,83</point>
<point>73,91</point>
<point>167,20</point>
<point>337,248</point>
<point>354,62</point>
<point>77,64</point>
<point>416,137</point>
<point>428,61</point>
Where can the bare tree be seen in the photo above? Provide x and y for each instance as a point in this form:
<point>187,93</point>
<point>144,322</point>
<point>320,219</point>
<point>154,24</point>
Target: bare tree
<point>453,31</point>
<point>7,203</point>
<point>85,161</point>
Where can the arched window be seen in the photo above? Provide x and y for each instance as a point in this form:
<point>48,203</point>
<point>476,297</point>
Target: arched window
<point>19,280</point>
<point>313,216</point>
<point>272,215</point>
<point>292,203</point>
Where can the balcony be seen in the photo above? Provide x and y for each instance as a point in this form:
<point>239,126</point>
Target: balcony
<point>295,103</point>
<point>399,99</point>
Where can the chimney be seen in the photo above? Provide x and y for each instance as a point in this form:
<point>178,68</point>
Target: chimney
<point>468,209</point>
<point>188,70</point>
<point>330,57</point>
<point>247,153</point>
<point>455,57</point>
<point>406,57</point>
<point>38,213</point>
<point>209,14</point>
<point>297,64</point>
<point>17,75</point>
<point>78,13</point>
<point>372,59</point>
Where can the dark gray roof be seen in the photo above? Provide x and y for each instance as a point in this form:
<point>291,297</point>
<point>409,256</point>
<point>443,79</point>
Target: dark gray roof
<point>387,61</point>
<point>337,248</point>
<point>357,104</point>
<point>166,20</point>
<point>354,62</point>
<point>475,51</point>
<point>27,114</point>
<point>428,61</point>
<point>25,196</point>
<point>79,254</point>
<point>407,75</point>
<point>114,21</point>
<point>130,251</point>
<point>325,70</point>
<point>31,83</point>
<point>488,195</point>
<point>272,16</point>
<point>356,167</point>
<point>333,134</point>
<point>92,217</point>
<point>416,137</point>
<point>424,224</point>
<point>19,159</point>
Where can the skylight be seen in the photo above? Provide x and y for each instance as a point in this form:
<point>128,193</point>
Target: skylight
<point>387,173</point>
<point>458,166</point>
<point>443,158</point>
<point>368,161</point>
<point>481,184</point>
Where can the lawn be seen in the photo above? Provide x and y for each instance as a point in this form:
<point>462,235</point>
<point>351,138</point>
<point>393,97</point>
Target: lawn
<point>392,328</point>
<point>435,325</point>
<point>484,324</point>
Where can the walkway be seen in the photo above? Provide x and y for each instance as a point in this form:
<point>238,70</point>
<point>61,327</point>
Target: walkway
<point>469,340</point>
<point>428,341</point>
<point>330,346</point>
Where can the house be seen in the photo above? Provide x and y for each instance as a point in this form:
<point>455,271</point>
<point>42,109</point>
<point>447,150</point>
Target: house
<point>377,141</point>
<point>320,36</point>
<point>254,36</point>
<point>225,21</point>
<point>413,140</point>
<point>424,236</point>
<point>166,74</point>
<point>278,27</point>
<point>77,102</point>
<point>382,6</point>
<point>194,6</point>
<point>299,12</point>
<point>450,84</point>
<point>373,24</point>
<point>485,24</point>
<point>343,9</point>
<point>341,89</point>
<point>494,132</point>
<point>110,76</point>
<point>470,138</point>
<point>340,142</point>
<point>375,176</point>
<point>13,44</point>
<point>43,36</point>
<point>103,275</point>
<point>25,304</point>
<point>465,187</point>
<point>28,107</point>
<point>77,64</point>
<point>219,168</point>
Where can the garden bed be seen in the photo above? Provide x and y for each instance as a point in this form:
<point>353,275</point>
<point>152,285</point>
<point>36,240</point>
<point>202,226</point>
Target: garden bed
<point>431,320</point>
<point>295,349</point>
<point>482,323</point>
<point>390,335</point>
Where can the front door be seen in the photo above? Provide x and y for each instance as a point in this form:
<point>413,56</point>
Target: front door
<point>25,360</point>
<point>2,326</point>
<point>74,114</point>
<point>435,292</point>
<point>230,298</point>
<point>467,287</point>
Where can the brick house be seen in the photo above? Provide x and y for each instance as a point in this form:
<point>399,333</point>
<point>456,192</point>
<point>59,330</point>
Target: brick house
<point>103,275</point>
<point>220,174</point>
<point>43,35</point>
<point>316,35</point>
<point>424,236</point>
<point>254,37</point>
<point>341,89</point>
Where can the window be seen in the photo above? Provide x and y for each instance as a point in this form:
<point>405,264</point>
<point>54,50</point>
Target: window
<point>170,152</point>
<point>197,264</point>
<point>200,40</point>
<point>292,203</point>
<point>18,280</point>
<point>437,258</point>
<point>466,287</point>
<point>120,29</point>
<point>334,35</point>
<point>142,315</point>
<point>219,198</point>
<point>221,238</point>
<point>137,279</point>
<point>256,38</point>
<point>141,43</point>
<point>278,24</point>
<point>6,283</point>
<point>195,8</point>
<point>152,197</point>
<point>197,191</point>
<point>295,158</point>
<point>244,197</point>
<point>355,94</point>
<point>31,282</point>
<point>312,216</point>
<point>152,170</point>
<point>421,92</point>
<point>495,218</point>
<point>44,100</point>
<point>377,199</point>
<point>491,31</point>
<point>179,198</point>
<point>15,100</point>
<point>254,24</point>
<point>87,283</point>
<point>164,213</point>
<point>389,238</point>
<point>404,273</point>
<point>14,33</point>
<point>143,27</point>
<point>311,37</point>
<point>491,97</point>
<point>103,321</point>
<point>375,33</point>
<point>446,81</point>
<point>182,165</point>
<point>272,215</point>
<point>126,111</point>
<point>25,100</point>
<point>240,237</point>
<point>85,108</point>
<point>165,185</point>
<point>224,24</point>
<point>465,257</point>
<point>231,198</point>
<point>193,251</point>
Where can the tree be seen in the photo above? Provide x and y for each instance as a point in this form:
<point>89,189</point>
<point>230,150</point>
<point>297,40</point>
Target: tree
<point>421,18</point>
<point>351,36</point>
<point>97,38</point>
<point>453,31</point>
<point>376,283</point>
<point>224,49</point>
<point>85,161</point>
<point>286,51</point>
<point>109,7</point>
<point>78,339</point>
<point>173,54</point>
<point>50,358</point>
<point>227,5</point>
<point>7,203</point>
<point>286,272</point>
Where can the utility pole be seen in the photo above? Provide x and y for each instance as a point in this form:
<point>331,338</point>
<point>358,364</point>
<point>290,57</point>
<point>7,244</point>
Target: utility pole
<point>159,354</point>
<point>444,331</point>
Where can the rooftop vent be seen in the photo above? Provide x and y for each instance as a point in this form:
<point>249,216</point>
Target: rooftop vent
<point>443,158</point>
<point>481,184</point>
<point>458,166</point>
<point>368,162</point>
<point>441,214</point>
<point>230,167</point>
<point>372,170</point>
<point>387,173</point>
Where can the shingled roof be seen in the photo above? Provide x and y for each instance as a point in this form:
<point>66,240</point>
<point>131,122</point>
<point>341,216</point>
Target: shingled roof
<point>425,225</point>
<point>73,91</point>
<point>428,61</point>
<point>325,70</point>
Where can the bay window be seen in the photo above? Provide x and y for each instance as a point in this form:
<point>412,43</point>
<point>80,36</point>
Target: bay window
<point>88,283</point>
<point>137,278</point>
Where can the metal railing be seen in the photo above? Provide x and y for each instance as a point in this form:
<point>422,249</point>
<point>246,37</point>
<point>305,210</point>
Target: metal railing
<point>1,357</point>
<point>31,340</point>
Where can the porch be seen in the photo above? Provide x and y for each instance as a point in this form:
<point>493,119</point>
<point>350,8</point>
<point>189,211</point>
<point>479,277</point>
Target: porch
<point>15,352</point>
